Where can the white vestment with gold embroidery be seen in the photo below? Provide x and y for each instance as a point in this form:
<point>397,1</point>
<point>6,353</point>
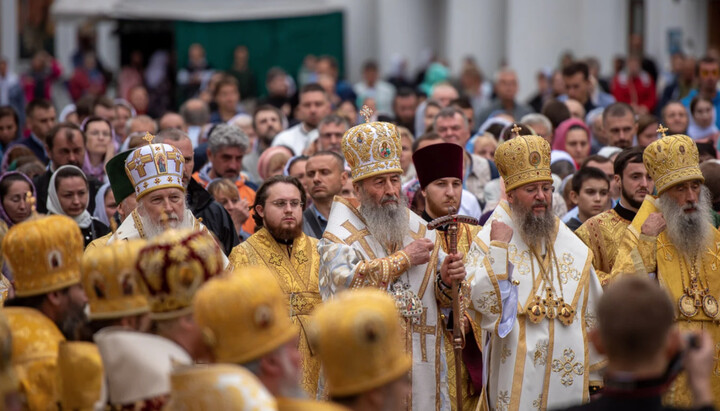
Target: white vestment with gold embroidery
<point>548,364</point>
<point>351,243</point>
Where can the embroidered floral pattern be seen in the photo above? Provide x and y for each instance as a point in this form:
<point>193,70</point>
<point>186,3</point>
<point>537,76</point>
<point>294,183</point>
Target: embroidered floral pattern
<point>540,353</point>
<point>567,367</point>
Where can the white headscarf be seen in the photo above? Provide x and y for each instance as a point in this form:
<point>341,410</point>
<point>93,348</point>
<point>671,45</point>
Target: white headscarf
<point>100,212</point>
<point>53,203</point>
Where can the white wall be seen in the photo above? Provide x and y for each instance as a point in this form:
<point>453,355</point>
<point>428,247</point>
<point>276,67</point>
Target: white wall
<point>537,33</point>
<point>689,16</point>
<point>8,33</point>
<point>475,28</point>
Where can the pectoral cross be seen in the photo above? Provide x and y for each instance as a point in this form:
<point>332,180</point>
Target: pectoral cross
<point>424,330</point>
<point>550,304</point>
<point>30,199</point>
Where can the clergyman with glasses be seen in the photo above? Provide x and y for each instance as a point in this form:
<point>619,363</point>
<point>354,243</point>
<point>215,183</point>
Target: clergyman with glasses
<point>280,244</point>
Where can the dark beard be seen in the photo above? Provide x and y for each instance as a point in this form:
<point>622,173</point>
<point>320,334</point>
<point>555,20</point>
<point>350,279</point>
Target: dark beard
<point>534,229</point>
<point>73,323</point>
<point>629,198</point>
<point>284,234</point>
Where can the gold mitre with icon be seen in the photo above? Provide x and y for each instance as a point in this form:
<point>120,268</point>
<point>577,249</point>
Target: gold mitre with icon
<point>34,355</point>
<point>243,315</point>
<point>372,148</point>
<point>523,160</point>
<point>81,375</point>
<point>173,266</point>
<point>358,338</point>
<point>110,280</point>
<point>44,254</point>
<point>671,160</point>
<point>217,387</point>
<point>155,166</point>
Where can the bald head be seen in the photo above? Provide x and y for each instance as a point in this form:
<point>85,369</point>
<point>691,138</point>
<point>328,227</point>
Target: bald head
<point>195,112</point>
<point>444,93</point>
<point>141,124</point>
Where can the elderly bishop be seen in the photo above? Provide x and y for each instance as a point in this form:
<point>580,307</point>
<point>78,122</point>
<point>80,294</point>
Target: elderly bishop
<point>383,245</point>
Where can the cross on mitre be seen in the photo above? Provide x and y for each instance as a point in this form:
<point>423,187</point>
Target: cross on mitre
<point>662,129</point>
<point>367,113</point>
<point>138,160</point>
<point>149,137</point>
<point>516,129</point>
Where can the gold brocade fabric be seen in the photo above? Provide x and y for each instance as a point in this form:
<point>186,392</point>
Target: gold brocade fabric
<point>602,234</point>
<point>296,270</point>
<point>297,404</point>
<point>641,254</point>
<point>99,242</point>
<point>466,234</point>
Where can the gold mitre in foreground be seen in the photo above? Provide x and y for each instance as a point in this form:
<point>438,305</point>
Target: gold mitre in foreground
<point>44,254</point>
<point>243,315</point>
<point>671,160</point>
<point>523,160</point>
<point>357,336</point>
<point>217,387</point>
<point>34,355</point>
<point>81,375</point>
<point>372,148</point>
<point>110,280</point>
<point>173,266</point>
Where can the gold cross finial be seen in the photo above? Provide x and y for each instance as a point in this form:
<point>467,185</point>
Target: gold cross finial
<point>367,113</point>
<point>516,129</point>
<point>113,225</point>
<point>30,199</point>
<point>148,137</point>
<point>164,220</point>
<point>662,129</point>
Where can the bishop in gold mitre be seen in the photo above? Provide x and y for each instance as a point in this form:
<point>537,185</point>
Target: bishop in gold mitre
<point>291,256</point>
<point>604,232</point>
<point>441,183</point>
<point>672,238</point>
<point>539,356</point>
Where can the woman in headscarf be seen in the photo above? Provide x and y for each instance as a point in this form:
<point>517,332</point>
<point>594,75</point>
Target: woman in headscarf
<point>99,147</point>
<point>573,137</point>
<point>14,209</point>
<point>68,194</point>
<point>105,205</point>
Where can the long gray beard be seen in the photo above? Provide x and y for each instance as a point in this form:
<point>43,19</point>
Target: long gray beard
<point>689,233</point>
<point>534,230</point>
<point>387,223</point>
<point>153,230</point>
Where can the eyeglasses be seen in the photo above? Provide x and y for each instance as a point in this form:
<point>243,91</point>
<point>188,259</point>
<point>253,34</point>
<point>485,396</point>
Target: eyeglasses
<point>711,72</point>
<point>546,189</point>
<point>284,203</point>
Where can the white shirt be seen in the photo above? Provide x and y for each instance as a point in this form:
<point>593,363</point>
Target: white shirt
<point>296,138</point>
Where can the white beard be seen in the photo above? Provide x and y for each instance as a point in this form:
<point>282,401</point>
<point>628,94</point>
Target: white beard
<point>152,229</point>
<point>387,223</point>
<point>689,233</point>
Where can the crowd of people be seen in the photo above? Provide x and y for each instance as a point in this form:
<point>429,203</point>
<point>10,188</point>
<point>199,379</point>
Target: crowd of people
<point>275,251</point>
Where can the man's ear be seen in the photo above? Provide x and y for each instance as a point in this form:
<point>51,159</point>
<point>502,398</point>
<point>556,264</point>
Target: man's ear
<point>270,365</point>
<point>343,178</point>
<point>596,340</point>
<point>573,196</point>
<point>260,210</point>
<point>209,154</point>
<point>618,179</point>
<point>56,298</point>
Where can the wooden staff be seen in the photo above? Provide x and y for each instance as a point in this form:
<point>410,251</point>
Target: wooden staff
<point>452,220</point>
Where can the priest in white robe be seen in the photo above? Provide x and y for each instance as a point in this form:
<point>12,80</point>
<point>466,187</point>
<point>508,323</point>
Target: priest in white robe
<point>381,244</point>
<point>545,360</point>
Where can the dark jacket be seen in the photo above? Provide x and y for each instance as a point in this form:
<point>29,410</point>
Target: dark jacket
<point>213,215</point>
<point>42,182</point>
<point>96,230</point>
<point>37,148</point>
<point>312,225</point>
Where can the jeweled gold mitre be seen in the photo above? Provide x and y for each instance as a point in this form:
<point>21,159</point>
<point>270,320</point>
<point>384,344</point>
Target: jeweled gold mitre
<point>155,166</point>
<point>523,160</point>
<point>372,148</point>
<point>173,266</point>
<point>671,160</point>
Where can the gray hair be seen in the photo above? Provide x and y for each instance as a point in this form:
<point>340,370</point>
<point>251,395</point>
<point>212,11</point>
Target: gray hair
<point>449,112</point>
<point>504,70</point>
<point>536,118</point>
<point>225,135</point>
<point>334,119</point>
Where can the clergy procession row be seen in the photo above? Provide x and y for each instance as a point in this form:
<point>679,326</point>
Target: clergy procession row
<point>388,309</point>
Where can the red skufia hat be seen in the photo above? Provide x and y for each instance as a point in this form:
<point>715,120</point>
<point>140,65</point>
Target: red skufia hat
<point>438,161</point>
